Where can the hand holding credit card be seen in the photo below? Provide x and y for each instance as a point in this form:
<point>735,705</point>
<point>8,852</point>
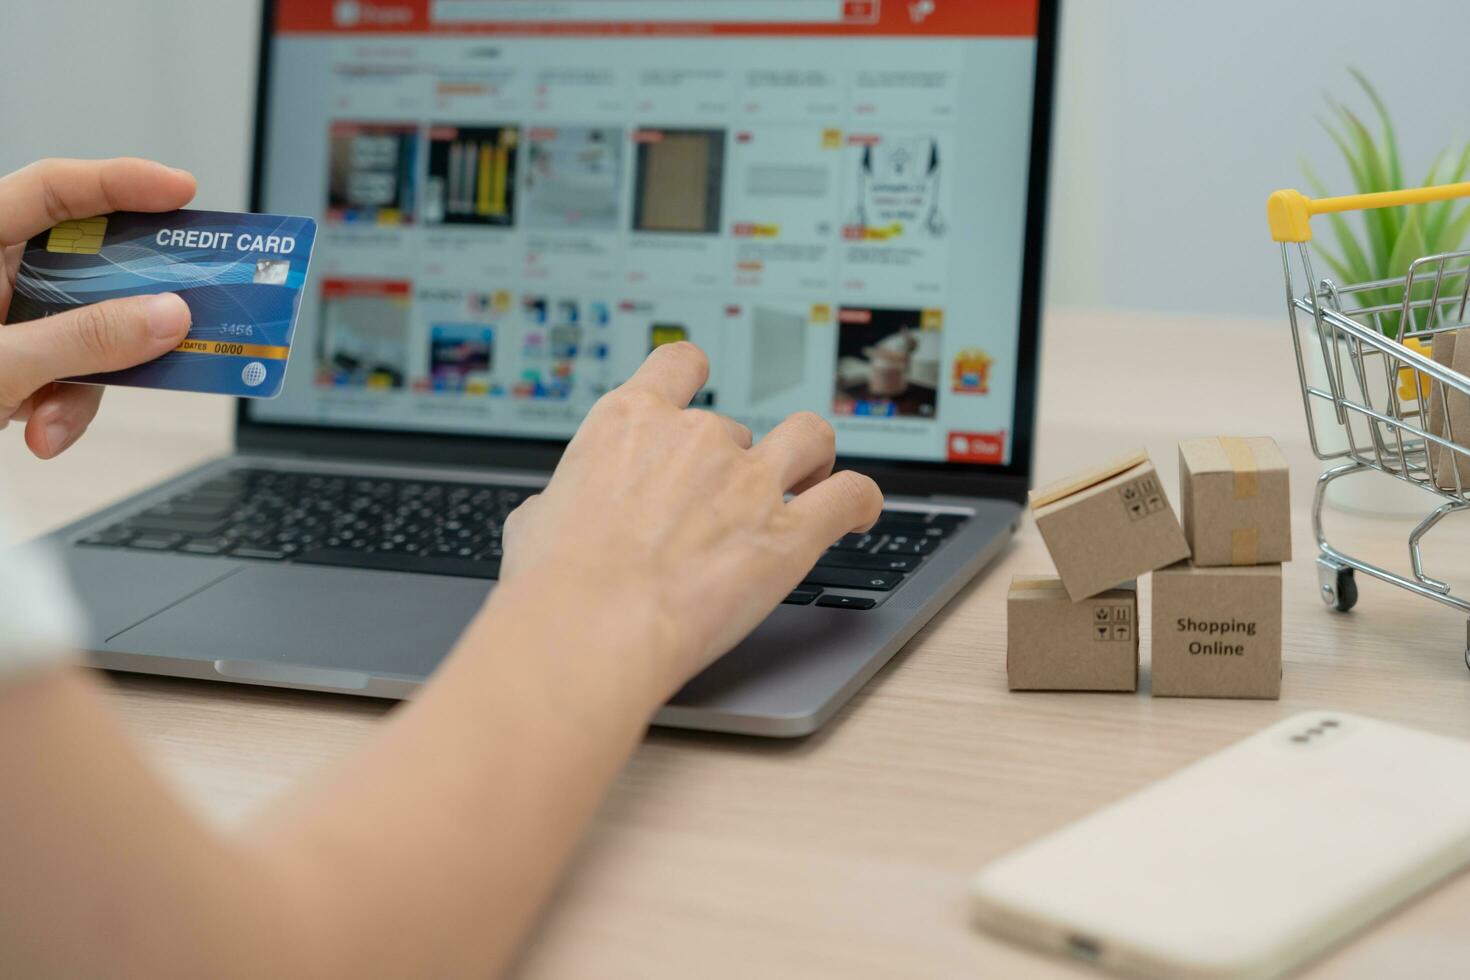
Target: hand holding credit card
<point>240,274</point>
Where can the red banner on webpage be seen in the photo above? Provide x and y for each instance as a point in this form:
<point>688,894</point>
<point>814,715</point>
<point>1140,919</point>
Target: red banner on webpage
<point>849,18</point>
<point>976,447</point>
<point>379,288</point>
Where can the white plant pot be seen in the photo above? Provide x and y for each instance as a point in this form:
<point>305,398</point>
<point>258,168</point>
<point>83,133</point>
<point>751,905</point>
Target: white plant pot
<point>1371,492</point>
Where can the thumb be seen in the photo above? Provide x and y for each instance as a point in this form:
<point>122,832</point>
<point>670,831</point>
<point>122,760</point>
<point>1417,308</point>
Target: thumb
<point>105,336</point>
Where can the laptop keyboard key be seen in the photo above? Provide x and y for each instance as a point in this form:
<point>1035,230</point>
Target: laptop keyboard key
<point>903,545</point>
<point>878,563</point>
<point>156,542</point>
<point>206,546</point>
<point>262,554</point>
<point>852,578</point>
<point>175,525</point>
<point>452,551</point>
<point>195,508</point>
<point>832,601</point>
<point>897,523</point>
<point>801,597</point>
<point>112,537</point>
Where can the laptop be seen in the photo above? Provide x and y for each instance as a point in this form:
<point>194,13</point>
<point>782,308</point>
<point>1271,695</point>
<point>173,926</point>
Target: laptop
<point>841,201</point>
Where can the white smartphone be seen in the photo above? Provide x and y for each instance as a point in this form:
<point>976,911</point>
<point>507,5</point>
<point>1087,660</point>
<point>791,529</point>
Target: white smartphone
<point>1248,862</point>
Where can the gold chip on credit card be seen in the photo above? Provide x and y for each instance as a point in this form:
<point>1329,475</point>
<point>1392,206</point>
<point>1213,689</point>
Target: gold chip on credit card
<point>81,236</point>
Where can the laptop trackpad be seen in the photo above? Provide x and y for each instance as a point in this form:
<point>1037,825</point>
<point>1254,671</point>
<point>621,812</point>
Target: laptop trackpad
<point>324,619</point>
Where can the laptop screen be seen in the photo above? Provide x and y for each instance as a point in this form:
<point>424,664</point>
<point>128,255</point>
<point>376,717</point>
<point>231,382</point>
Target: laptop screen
<point>519,199</point>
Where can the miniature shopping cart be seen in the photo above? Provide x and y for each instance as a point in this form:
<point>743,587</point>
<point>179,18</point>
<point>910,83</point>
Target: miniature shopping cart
<point>1374,395</point>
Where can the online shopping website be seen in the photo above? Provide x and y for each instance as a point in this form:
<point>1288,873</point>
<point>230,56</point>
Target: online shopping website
<point>519,199</point>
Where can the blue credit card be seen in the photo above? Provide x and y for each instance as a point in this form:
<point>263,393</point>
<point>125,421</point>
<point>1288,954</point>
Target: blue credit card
<point>241,275</point>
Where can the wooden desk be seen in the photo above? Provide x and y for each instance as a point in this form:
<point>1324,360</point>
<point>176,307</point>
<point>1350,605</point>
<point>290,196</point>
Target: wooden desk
<point>848,854</point>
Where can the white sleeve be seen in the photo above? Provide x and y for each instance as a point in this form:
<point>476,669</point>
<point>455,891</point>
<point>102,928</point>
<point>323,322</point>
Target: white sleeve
<point>39,617</point>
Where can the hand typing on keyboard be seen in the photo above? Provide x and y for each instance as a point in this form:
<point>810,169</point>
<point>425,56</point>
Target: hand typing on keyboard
<point>678,505</point>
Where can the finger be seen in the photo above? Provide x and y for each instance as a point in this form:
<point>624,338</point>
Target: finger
<point>739,432</point>
<point>841,504</point>
<point>59,415</point>
<point>102,337</point>
<point>34,198</point>
<point>800,451</point>
<point>674,371</point>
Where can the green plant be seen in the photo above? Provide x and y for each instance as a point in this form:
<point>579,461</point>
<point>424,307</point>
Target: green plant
<point>1391,238</point>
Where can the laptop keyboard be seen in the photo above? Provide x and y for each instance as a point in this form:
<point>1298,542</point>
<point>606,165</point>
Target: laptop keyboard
<point>447,528</point>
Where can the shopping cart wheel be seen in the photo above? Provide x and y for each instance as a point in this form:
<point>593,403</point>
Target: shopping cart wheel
<point>1339,589</point>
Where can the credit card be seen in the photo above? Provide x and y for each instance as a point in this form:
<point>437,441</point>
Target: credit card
<point>240,274</point>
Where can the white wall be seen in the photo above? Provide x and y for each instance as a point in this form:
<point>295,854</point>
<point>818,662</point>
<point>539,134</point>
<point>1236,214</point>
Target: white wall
<point>169,79</point>
<point>1176,118</point>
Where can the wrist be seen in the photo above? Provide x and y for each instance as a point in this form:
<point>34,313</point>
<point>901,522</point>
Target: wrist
<point>609,621</point>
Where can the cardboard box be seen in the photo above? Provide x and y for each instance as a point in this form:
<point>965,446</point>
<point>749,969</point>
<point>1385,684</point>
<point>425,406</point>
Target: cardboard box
<point>1442,351</point>
<point>1055,644</point>
<point>1235,500</point>
<point>1108,526</point>
<point>1216,631</point>
<point>1451,467</point>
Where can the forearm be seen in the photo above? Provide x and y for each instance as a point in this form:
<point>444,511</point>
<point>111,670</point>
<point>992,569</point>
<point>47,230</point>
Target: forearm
<point>426,853</point>
<point>105,873</point>
<point>467,805</point>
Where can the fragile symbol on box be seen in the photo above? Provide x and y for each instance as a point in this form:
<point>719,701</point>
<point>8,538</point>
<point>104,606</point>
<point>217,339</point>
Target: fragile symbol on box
<point>1112,623</point>
<point>1141,497</point>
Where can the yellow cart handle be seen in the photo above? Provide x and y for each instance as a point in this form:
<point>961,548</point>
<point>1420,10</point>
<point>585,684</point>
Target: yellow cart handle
<point>1289,212</point>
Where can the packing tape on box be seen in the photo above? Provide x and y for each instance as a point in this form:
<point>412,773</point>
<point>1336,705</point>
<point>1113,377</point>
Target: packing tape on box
<point>1053,492</point>
<point>1243,540</point>
<point>1036,585</point>
<point>1243,464</point>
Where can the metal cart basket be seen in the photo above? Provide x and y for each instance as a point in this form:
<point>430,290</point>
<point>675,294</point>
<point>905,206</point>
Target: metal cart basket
<point>1374,395</point>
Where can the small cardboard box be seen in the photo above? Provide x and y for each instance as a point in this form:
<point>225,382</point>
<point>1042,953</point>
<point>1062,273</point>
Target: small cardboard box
<point>1235,499</point>
<point>1055,644</point>
<point>1451,467</point>
<point>1108,525</point>
<point>1217,631</point>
